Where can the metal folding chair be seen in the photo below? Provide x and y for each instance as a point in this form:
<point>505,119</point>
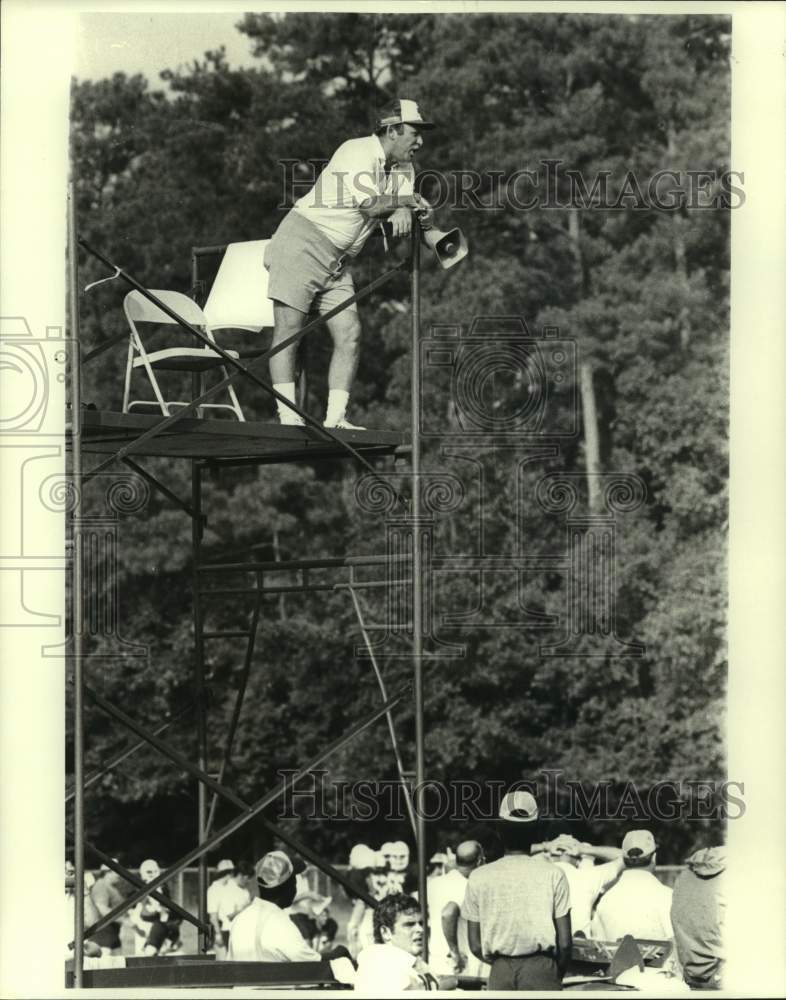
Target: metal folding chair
<point>196,360</point>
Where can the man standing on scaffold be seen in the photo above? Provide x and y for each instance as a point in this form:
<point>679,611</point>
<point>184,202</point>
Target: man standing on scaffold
<point>365,181</point>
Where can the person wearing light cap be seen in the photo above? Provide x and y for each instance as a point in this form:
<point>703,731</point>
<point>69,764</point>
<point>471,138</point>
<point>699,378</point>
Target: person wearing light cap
<point>263,932</point>
<point>518,908</point>
<point>698,910</point>
<point>638,903</point>
<point>402,877</point>
<point>222,897</point>
<point>378,885</point>
<point>156,928</point>
<point>366,180</point>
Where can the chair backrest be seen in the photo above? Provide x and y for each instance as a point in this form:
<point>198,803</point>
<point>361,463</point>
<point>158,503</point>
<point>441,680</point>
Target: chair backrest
<point>138,309</point>
<point>238,298</point>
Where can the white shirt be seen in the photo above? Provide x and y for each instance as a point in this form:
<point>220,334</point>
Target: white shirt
<point>230,903</point>
<point>366,929</point>
<point>586,885</point>
<point>638,904</point>
<point>225,899</point>
<point>354,173</point>
<point>264,933</point>
<point>385,969</point>
<point>441,890</point>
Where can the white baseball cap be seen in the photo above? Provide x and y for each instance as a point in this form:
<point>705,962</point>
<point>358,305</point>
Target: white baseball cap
<point>519,806</point>
<point>149,869</point>
<point>276,868</point>
<point>638,845</point>
<point>403,112</point>
<point>361,856</point>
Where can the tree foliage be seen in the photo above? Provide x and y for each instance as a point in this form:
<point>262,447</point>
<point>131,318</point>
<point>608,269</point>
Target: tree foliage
<point>641,290</point>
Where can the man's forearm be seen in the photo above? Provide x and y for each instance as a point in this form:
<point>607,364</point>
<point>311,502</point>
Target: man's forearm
<point>450,919</point>
<point>381,205</point>
<point>602,853</point>
<point>564,953</point>
<point>474,939</point>
<point>564,942</point>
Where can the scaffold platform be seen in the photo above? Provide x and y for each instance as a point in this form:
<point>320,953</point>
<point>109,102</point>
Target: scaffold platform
<point>105,431</point>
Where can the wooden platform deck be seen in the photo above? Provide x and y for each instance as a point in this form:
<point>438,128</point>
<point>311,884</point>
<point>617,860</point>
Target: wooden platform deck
<point>105,431</point>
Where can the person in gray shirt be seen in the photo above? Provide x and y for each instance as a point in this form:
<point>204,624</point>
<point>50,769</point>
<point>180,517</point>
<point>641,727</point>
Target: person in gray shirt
<point>518,908</point>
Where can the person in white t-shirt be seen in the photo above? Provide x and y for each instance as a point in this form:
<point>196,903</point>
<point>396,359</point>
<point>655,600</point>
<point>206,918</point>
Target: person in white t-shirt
<point>638,903</point>
<point>379,887</point>
<point>310,253</point>
<point>235,898</point>
<point>449,950</point>
<point>393,963</point>
<point>221,895</point>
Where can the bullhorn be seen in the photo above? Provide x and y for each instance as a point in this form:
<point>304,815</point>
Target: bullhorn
<point>449,248</point>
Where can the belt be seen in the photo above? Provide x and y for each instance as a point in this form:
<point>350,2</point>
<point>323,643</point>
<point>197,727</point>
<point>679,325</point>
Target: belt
<point>532,954</point>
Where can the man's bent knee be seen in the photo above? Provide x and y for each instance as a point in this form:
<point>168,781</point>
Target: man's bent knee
<point>347,332</point>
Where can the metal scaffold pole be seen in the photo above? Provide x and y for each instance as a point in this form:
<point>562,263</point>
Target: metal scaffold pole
<point>77,598</point>
<point>417,588</point>
<point>201,694</point>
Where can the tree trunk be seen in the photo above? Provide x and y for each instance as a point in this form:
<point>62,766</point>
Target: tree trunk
<point>680,257</point>
<point>587,387</point>
<point>591,442</point>
<point>282,608</point>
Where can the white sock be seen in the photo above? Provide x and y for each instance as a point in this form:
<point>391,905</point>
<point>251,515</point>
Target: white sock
<point>338,399</point>
<point>287,390</point>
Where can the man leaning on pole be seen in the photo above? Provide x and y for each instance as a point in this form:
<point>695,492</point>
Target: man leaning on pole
<point>309,258</point>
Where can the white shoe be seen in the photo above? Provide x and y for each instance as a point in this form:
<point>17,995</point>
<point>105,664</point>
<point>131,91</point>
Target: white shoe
<point>343,425</point>
<point>293,421</point>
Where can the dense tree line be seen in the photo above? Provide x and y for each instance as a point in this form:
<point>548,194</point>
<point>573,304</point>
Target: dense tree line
<point>641,288</point>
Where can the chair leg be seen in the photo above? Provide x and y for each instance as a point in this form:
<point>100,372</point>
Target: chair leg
<point>236,404</point>
<point>129,370</point>
<point>154,382</point>
<point>150,374</point>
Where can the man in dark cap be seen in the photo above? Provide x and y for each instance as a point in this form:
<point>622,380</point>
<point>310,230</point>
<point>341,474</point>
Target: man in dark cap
<point>366,180</point>
<point>518,908</point>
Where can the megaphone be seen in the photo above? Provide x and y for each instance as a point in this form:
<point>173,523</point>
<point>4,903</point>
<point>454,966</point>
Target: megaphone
<point>449,248</point>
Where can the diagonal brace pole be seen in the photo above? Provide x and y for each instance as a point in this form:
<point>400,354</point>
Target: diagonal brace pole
<point>163,747</point>
<point>237,708</point>
<point>125,754</point>
<point>170,904</point>
<point>158,485</point>
<point>391,728</point>
<point>254,810</point>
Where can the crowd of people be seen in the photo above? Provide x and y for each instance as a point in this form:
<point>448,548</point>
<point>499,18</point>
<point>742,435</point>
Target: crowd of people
<point>506,910</point>
<point>155,926</point>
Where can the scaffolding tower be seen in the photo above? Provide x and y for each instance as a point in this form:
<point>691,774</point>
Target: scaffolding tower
<point>206,444</point>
